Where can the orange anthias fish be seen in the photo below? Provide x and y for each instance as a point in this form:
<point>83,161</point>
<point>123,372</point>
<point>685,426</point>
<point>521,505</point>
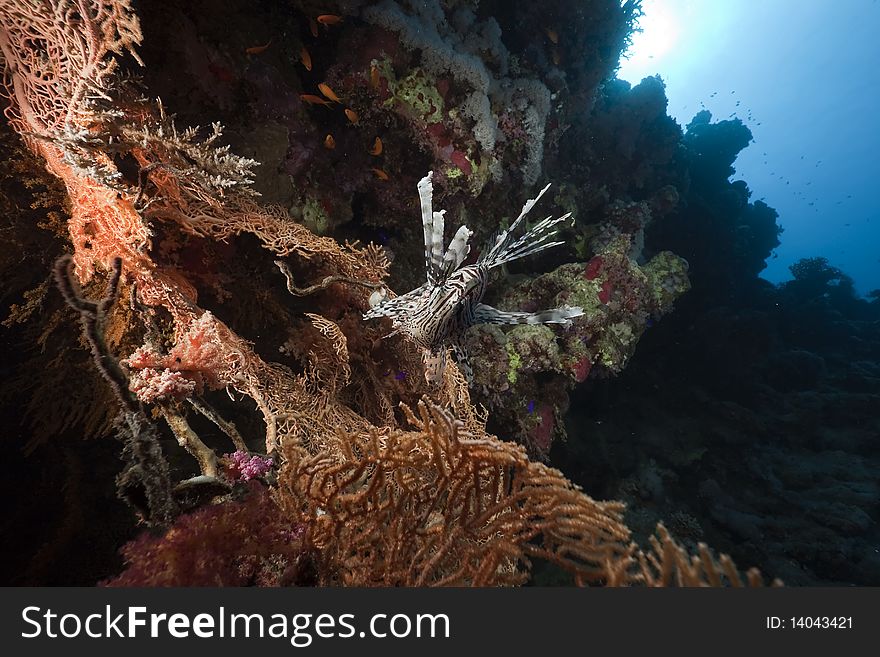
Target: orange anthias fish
<point>312,99</point>
<point>374,76</point>
<point>352,116</point>
<point>552,35</point>
<point>381,175</point>
<point>313,27</point>
<point>256,50</point>
<point>305,58</point>
<point>377,147</point>
<point>329,142</point>
<point>325,89</point>
<point>329,19</point>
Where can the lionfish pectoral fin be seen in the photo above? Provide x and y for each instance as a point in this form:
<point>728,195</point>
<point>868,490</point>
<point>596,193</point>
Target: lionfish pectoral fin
<point>535,240</point>
<point>484,314</point>
<point>500,245</point>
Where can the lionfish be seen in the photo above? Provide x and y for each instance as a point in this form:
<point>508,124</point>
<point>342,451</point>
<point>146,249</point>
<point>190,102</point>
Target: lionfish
<point>436,314</point>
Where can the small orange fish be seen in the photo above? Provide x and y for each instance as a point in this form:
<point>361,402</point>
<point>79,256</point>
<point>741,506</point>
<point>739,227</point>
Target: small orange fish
<point>556,58</point>
<point>381,175</point>
<point>352,116</point>
<point>551,34</point>
<point>329,19</point>
<point>374,76</point>
<point>329,142</point>
<point>305,58</point>
<point>325,89</point>
<point>256,50</point>
<point>312,99</point>
<point>313,26</point>
<point>377,147</point>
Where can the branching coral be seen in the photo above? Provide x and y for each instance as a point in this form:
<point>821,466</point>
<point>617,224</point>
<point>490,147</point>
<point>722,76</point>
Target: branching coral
<point>145,482</point>
<point>668,564</point>
<point>58,57</point>
<point>110,221</point>
<point>433,505</point>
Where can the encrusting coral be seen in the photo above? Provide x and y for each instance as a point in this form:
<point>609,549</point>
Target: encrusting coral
<point>372,492</point>
<point>620,298</point>
<point>459,48</point>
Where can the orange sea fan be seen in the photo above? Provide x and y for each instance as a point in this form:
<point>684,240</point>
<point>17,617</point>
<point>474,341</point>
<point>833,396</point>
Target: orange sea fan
<point>437,505</point>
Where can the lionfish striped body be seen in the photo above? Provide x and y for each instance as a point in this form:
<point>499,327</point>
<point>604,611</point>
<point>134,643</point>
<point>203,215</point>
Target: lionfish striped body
<point>436,315</point>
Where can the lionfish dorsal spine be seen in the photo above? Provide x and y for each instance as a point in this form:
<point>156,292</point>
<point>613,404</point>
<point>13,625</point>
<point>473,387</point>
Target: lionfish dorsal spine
<point>432,226</point>
<point>457,252</point>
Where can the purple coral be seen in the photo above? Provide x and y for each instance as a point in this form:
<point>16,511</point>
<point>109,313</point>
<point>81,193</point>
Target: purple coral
<point>249,542</point>
<point>243,466</point>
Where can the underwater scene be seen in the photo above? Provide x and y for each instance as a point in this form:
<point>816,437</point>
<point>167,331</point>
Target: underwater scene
<point>433,293</point>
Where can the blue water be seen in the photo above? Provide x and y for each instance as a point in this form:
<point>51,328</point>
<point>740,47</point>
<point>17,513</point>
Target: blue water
<point>802,76</point>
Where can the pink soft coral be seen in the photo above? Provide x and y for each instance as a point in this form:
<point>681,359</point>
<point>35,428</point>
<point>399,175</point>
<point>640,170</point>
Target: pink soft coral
<point>197,360</point>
